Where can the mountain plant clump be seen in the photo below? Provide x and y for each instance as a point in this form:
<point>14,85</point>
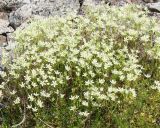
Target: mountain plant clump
<point>100,70</point>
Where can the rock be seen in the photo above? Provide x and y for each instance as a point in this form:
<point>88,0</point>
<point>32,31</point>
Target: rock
<point>3,40</point>
<point>151,1</point>
<point>16,18</point>
<point>154,7</point>
<point>148,1</point>
<point>154,14</point>
<point>4,27</point>
<point>3,15</point>
<point>56,7</point>
<point>42,8</point>
<point>10,5</point>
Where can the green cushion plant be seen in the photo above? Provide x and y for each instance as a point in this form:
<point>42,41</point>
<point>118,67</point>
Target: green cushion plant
<point>100,70</point>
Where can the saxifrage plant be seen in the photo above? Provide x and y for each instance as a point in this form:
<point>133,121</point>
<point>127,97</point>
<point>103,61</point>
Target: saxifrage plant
<point>101,70</point>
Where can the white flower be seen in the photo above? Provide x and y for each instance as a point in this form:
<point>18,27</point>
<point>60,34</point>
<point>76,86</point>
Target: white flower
<point>34,73</point>
<point>112,96</point>
<point>145,38</point>
<point>22,85</point>
<point>115,71</point>
<point>122,77</point>
<point>40,103</point>
<point>29,87</point>
<point>27,78</point>
<point>1,94</point>
<point>102,97</point>
<point>35,94</point>
<point>89,82</point>
<point>133,93</point>
<point>77,73</point>
<point>2,85</point>
<point>29,106</point>
<point>95,104</point>
<point>84,103</point>
<point>147,75</point>
<point>130,77</point>
<point>57,72</point>
<point>157,83</point>
<point>3,74</point>
<point>31,98</point>
<point>86,95</point>
<point>101,81</point>
<point>62,95</point>
<point>67,78</point>
<point>44,77</point>
<point>67,68</point>
<point>157,40</point>
<point>73,108</point>
<point>54,83</point>
<point>84,113</point>
<point>17,101</point>
<point>42,83</point>
<point>113,82</point>
<point>111,89</point>
<point>49,67</point>
<point>60,81</point>
<point>95,63</point>
<point>156,86</point>
<point>74,97</point>
<point>44,94</point>
<point>101,89</point>
<point>106,75</point>
<point>84,74</point>
<point>34,85</point>
<point>107,65</point>
<point>34,109</point>
<point>126,39</point>
<point>92,74</point>
<point>13,92</point>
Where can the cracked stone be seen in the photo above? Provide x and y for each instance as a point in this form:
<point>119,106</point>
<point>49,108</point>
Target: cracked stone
<point>154,7</point>
<point>4,27</point>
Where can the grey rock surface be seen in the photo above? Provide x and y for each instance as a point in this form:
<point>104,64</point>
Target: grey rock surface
<point>154,7</point>
<point>42,8</point>
<point>10,5</point>
<point>55,7</point>
<point>4,27</point>
<point>16,18</point>
<point>4,15</point>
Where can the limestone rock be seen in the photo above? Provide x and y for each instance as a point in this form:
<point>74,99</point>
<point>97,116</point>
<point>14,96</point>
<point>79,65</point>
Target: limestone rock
<point>151,1</point>
<point>10,5</point>
<point>42,8</point>
<point>154,7</point>
<point>4,27</point>
<point>55,7</point>
<point>3,15</point>
<point>16,18</point>
<point>3,40</point>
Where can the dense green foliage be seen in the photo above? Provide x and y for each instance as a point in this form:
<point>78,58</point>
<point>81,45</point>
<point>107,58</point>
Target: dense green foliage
<point>101,70</point>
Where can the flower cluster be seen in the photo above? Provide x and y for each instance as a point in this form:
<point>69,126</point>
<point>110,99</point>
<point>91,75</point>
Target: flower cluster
<point>156,86</point>
<point>80,66</point>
